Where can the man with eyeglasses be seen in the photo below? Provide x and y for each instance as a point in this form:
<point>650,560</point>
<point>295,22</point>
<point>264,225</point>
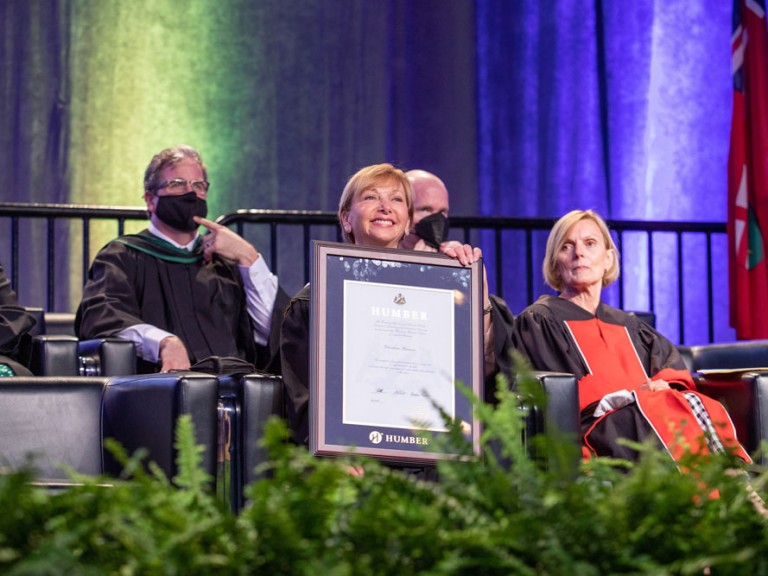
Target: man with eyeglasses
<point>182,297</point>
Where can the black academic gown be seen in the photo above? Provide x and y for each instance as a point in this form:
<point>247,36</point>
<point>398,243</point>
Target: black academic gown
<point>294,358</point>
<point>141,279</point>
<point>503,325</point>
<point>15,324</point>
<point>540,334</point>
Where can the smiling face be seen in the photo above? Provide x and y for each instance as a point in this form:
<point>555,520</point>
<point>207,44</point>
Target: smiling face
<point>583,258</point>
<point>378,215</point>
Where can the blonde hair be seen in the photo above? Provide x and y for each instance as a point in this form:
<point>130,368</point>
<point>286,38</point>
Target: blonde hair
<point>369,177</point>
<point>557,238</point>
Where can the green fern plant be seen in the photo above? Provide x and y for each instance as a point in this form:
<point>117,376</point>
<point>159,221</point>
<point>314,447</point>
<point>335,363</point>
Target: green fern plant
<point>504,511</point>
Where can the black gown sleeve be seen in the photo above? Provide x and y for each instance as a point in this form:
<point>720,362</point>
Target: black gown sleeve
<point>15,324</point>
<point>110,301</point>
<point>661,352</point>
<point>7,295</point>
<point>503,321</point>
<point>544,343</point>
<point>294,353</point>
<point>269,357</point>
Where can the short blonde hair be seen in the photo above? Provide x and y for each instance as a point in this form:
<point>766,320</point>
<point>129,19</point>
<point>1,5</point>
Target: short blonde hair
<point>369,177</point>
<point>557,238</point>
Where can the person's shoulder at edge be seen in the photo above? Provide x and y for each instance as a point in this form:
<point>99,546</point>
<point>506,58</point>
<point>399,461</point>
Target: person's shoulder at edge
<point>301,299</point>
<point>531,314</point>
<point>501,307</point>
<point>121,243</point>
<point>302,294</point>
<point>546,305</point>
<point>613,315</point>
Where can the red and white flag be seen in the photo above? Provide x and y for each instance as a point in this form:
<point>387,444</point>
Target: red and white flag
<point>748,171</point>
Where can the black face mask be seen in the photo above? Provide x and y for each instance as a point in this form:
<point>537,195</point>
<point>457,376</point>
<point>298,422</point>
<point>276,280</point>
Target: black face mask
<point>177,211</point>
<point>433,229</point>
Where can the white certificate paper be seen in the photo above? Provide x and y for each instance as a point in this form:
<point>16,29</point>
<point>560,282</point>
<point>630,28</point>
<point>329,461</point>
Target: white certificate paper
<point>398,357</point>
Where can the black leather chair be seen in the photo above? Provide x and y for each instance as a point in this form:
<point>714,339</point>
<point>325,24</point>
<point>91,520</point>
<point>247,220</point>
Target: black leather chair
<point>242,405</point>
<point>55,351</point>
<point>61,355</point>
<point>54,356</point>
<point>62,421</point>
<point>730,356</point>
<point>106,357</point>
<point>60,323</point>
<point>558,414</point>
<point>562,409</point>
<point>245,403</point>
<point>56,421</point>
<point>736,374</point>
<point>141,411</point>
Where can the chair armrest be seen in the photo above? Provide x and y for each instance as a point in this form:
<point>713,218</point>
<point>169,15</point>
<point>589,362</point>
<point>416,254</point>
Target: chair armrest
<point>263,397</point>
<point>107,357</point>
<point>686,353</point>
<point>560,416</point>
<point>731,356</point>
<point>56,420</point>
<point>141,411</point>
<point>54,356</point>
<point>60,323</point>
<point>247,402</point>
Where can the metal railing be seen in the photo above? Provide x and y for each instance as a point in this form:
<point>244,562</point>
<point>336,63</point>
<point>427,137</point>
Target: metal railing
<point>50,214</point>
<point>513,248</point>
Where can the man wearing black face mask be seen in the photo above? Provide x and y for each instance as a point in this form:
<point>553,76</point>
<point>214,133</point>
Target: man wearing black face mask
<point>182,297</point>
<point>428,233</point>
<point>430,212</point>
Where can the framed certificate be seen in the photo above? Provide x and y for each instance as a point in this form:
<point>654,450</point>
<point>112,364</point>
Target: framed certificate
<point>393,331</point>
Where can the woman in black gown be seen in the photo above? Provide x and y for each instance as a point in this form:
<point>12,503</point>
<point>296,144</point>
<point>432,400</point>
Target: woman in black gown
<point>632,381</point>
<point>375,209</point>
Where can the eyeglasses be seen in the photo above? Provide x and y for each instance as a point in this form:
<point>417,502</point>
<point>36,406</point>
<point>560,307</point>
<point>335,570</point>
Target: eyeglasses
<point>179,185</point>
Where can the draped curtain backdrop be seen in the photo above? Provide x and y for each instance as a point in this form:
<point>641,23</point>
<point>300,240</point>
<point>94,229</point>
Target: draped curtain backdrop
<point>523,108</point>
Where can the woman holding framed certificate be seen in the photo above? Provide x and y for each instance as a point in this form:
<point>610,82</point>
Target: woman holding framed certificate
<point>375,209</point>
